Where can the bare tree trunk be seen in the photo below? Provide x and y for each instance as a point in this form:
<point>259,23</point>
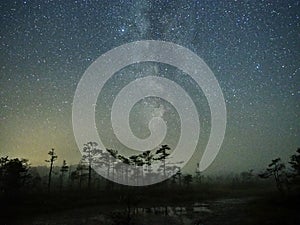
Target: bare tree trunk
<point>90,170</point>
<point>50,174</point>
<point>90,176</point>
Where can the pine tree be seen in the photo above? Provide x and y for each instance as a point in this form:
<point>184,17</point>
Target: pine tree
<point>53,157</point>
<point>64,168</point>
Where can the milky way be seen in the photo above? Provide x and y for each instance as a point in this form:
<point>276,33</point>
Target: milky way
<point>252,47</point>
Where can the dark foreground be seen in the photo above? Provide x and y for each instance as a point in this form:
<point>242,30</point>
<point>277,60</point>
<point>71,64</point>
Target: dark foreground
<point>142,206</point>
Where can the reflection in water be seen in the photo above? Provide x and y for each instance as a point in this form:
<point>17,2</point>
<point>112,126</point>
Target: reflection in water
<point>221,211</point>
<point>187,214</point>
<point>175,210</point>
<point>198,213</point>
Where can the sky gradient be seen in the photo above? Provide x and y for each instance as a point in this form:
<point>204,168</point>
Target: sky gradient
<point>252,47</point>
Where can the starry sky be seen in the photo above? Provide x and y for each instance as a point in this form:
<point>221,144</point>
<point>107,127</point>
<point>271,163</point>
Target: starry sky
<point>252,47</point>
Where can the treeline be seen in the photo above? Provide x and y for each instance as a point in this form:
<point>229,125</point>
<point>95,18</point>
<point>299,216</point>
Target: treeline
<point>16,174</point>
<point>286,176</point>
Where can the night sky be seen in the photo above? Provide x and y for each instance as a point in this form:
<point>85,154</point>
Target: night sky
<point>252,47</point>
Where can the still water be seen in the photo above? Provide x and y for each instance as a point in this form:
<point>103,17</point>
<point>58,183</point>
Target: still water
<point>222,211</point>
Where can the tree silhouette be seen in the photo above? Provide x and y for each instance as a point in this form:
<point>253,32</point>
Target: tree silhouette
<point>275,169</point>
<point>53,157</point>
<point>198,175</point>
<point>295,164</point>
<point>64,168</point>
<point>137,161</point>
<point>90,152</point>
<point>14,173</point>
<point>112,160</point>
<point>148,159</point>
<point>79,173</point>
<point>162,153</point>
<point>127,161</point>
<point>187,179</point>
<point>177,177</point>
<point>108,159</point>
<point>3,161</point>
<point>246,176</point>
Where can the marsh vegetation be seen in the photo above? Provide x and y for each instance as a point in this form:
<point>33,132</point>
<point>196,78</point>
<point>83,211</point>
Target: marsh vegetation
<point>75,194</point>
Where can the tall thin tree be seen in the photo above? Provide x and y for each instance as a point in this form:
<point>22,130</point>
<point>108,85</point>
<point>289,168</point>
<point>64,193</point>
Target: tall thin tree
<point>275,169</point>
<point>53,157</point>
<point>163,152</point>
<point>112,159</point>
<point>90,152</point>
<point>64,168</point>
